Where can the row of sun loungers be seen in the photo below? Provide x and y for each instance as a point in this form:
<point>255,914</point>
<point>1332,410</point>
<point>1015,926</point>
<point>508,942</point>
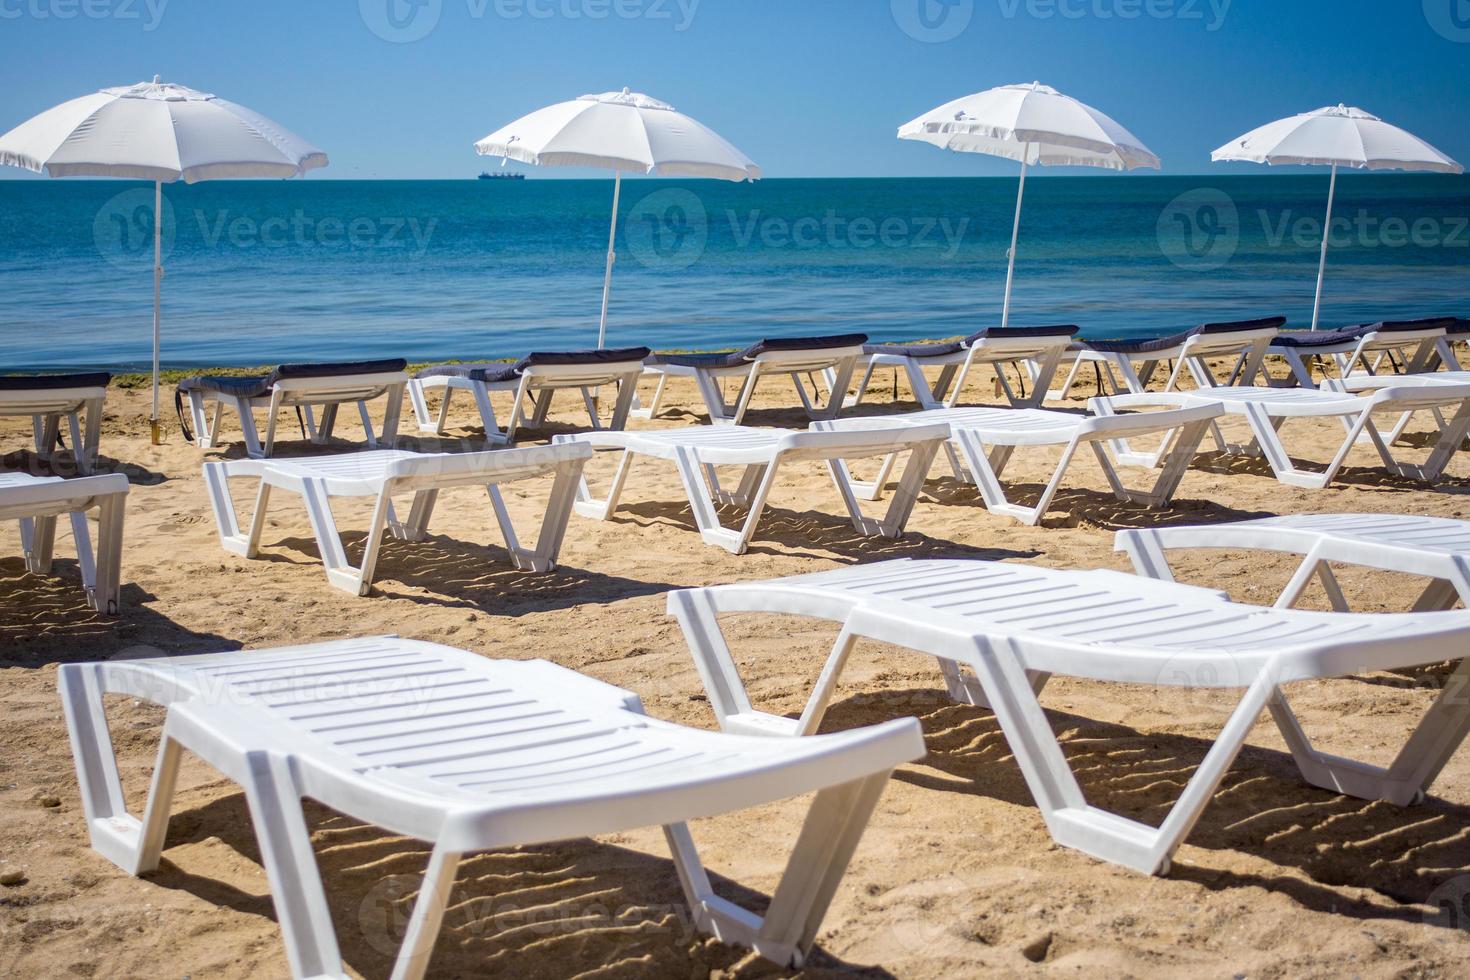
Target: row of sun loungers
<point>1036,354</point>
<point>468,753</point>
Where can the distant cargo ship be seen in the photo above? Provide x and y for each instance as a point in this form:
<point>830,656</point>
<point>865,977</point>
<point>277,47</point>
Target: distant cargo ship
<point>490,176</point>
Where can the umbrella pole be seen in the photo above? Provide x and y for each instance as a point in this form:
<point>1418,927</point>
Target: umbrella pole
<point>1326,239</point>
<point>157,299</point>
<point>612,237</point>
<point>1005,313</point>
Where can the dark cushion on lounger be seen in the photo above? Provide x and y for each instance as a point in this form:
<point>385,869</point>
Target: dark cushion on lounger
<point>497,373</point>
<point>1404,326</point>
<point>750,353</point>
<point>1002,333</point>
<point>833,342</point>
<point>255,386</point>
<point>1142,346</point>
<point>1322,338</point>
<point>53,382</point>
<point>915,350</point>
<point>618,355</point>
<point>236,386</point>
<point>339,369</point>
<point>1236,326</point>
<point>1158,344</point>
<point>1460,327</point>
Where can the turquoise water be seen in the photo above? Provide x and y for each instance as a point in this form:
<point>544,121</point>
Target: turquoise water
<point>262,272</point>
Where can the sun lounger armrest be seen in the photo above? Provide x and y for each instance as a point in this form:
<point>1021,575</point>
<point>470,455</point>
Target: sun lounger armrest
<point>881,439</point>
<point>1111,404</point>
<point>325,384</point>
<point>1172,418</point>
<point>490,464</point>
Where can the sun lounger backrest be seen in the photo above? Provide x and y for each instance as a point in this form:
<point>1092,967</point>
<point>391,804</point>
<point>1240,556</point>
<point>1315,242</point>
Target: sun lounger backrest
<point>496,466</point>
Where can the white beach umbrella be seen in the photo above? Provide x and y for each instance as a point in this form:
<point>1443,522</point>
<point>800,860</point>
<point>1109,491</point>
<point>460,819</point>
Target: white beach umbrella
<point>618,131</point>
<point>1036,125</point>
<point>160,132</point>
<point>1335,137</point>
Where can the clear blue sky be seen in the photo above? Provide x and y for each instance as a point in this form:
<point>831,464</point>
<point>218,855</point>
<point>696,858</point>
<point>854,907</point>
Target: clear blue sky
<point>805,87</point>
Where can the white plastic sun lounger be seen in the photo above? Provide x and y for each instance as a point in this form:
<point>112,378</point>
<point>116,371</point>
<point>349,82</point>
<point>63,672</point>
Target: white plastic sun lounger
<point>1362,349</point>
<point>1135,362</point>
<point>533,381</point>
<point>1035,350</point>
<point>468,754</point>
<point>301,386</point>
<point>999,631</point>
<point>49,398</point>
<point>37,501</point>
<point>983,441</point>
<point>831,358</point>
<point>1268,409</point>
<point>696,453</point>
<point>383,473</point>
<point>1432,547</point>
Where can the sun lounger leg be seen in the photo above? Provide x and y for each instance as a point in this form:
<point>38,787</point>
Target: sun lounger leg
<point>543,407</point>
<point>419,402</point>
<point>329,541</point>
<point>1441,595</point>
<point>115,833</point>
<point>1437,737</point>
<point>601,510</point>
<point>427,917</point>
<point>837,397</point>
<point>747,392</point>
<point>727,696</point>
<point>901,508</point>
<point>367,425</point>
<point>108,587</point>
<point>658,396</point>
<point>623,407</point>
<point>987,480</point>
<point>828,839</point>
<point>227,523</point>
<point>285,850</point>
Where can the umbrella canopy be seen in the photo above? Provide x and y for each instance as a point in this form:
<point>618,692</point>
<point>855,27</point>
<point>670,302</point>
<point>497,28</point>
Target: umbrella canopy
<point>1036,125</point>
<point>160,132</point>
<point>618,131</point>
<point>1335,137</point>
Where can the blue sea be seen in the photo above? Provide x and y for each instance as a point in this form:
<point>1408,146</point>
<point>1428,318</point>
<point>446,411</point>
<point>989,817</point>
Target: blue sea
<point>264,272</point>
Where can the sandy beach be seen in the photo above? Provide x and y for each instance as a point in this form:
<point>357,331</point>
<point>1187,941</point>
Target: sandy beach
<point>956,874</point>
